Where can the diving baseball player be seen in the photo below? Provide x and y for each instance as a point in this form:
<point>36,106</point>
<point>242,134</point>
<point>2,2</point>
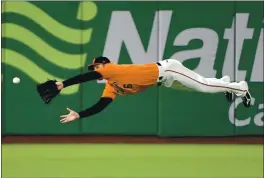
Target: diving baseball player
<point>133,78</point>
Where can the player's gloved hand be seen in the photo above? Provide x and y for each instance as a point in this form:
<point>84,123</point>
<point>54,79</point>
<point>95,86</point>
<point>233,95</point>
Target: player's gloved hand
<point>69,117</point>
<point>48,90</point>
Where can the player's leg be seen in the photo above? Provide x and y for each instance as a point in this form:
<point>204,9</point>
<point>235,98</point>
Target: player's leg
<point>194,81</point>
<point>230,96</point>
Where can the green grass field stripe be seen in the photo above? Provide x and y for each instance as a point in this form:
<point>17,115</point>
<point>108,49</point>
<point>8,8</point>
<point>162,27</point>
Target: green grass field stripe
<point>135,161</point>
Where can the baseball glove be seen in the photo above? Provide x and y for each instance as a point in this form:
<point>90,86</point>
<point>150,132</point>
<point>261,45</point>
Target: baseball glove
<point>48,90</point>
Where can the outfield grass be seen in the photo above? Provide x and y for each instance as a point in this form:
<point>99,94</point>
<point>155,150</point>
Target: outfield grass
<point>131,161</point>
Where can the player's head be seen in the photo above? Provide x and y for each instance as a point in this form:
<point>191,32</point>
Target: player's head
<point>98,62</point>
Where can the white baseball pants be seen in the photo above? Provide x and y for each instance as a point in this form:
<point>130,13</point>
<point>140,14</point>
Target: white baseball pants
<point>175,73</point>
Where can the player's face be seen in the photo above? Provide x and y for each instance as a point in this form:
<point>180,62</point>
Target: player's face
<point>98,66</point>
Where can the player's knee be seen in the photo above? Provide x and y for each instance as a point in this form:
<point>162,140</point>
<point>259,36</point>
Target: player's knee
<point>174,61</point>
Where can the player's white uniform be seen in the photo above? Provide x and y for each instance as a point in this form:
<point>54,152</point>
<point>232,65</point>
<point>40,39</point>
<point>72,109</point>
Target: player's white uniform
<point>172,73</point>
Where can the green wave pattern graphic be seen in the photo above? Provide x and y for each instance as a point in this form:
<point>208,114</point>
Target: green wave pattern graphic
<point>62,60</point>
<point>54,56</point>
<point>48,23</point>
<point>17,60</point>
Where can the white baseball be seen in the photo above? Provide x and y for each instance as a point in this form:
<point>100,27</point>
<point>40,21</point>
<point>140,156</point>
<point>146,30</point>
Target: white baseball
<point>16,80</point>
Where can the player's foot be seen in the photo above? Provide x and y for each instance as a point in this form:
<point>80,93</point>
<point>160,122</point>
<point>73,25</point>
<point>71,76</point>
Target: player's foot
<point>246,98</point>
<point>229,95</point>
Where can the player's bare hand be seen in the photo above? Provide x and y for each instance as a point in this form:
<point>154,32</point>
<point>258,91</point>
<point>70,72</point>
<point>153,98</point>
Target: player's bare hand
<point>59,85</point>
<point>69,117</point>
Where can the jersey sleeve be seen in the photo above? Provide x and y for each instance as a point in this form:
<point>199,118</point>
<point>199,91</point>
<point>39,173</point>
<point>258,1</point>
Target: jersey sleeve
<point>107,72</point>
<point>109,91</point>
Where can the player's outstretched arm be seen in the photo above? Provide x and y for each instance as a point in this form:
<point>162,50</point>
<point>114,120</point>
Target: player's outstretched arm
<point>79,79</point>
<point>98,107</point>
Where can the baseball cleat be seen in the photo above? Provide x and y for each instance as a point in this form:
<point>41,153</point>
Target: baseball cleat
<point>246,98</point>
<point>229,95</point>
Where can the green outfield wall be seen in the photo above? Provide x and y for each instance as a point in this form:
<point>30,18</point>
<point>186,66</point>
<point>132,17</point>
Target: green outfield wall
<point>56,40</point>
